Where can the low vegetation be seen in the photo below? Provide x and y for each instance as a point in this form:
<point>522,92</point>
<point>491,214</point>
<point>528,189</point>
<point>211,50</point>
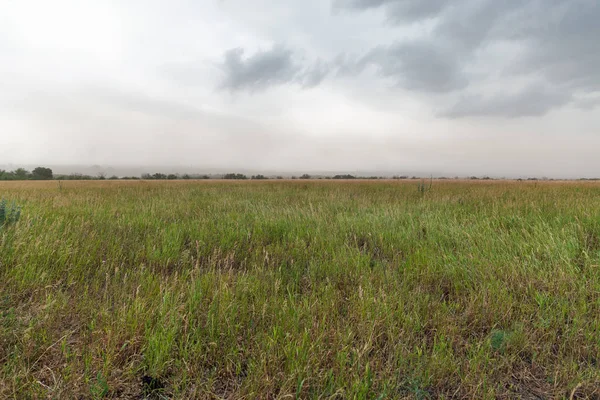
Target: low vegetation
<point>298,289</point>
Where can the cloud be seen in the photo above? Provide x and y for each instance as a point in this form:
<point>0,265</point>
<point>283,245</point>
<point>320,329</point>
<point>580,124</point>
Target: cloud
<point>266,68</point>
<point>562,45</point>
<point>315,74</point>
<point>535,100</point>
<point>554,42</point>
<point>259,71</point>
<point>397,10</point>
<point>418,66</point>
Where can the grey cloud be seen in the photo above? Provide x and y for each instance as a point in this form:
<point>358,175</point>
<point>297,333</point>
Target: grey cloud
<point>563,46</point>
<point>418,66</point>
<point>259,71</point>
<point>398,10</point>
<point>314,75</point>
<point>535,100</point>
<point>556,41</point>
<point>266,68</point>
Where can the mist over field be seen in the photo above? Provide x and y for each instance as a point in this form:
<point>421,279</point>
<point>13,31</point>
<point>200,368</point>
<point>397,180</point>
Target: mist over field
<point>463,87</point>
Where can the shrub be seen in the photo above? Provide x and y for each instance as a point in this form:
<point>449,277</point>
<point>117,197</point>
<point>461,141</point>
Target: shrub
<point>9,213</point>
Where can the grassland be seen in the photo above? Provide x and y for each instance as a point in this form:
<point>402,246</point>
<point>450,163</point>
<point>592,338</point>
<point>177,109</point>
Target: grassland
<point>256,290</point>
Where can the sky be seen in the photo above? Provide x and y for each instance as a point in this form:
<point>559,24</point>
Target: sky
<point>447,87</point>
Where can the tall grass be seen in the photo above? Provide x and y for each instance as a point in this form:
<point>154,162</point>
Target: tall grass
<point>363,290</point>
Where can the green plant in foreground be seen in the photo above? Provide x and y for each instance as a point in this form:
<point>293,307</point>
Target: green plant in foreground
<point>99,389</point>
<point>498,340</point>
<point>9,213</point>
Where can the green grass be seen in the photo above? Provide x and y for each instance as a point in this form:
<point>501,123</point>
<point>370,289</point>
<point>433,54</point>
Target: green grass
<point>358,290</point>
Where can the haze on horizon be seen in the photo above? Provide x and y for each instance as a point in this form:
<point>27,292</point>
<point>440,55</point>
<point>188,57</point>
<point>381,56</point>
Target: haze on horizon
<point>469,87</point>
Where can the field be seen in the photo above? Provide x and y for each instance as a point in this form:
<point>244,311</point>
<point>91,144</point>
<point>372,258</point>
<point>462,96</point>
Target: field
<point>301,289</point>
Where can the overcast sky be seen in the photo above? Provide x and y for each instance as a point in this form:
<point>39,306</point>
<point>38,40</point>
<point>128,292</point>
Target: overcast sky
<point>467,87</point>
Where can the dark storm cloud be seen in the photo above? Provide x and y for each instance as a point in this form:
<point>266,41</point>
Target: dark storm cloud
<point>553,42</point>
<point>535,100</point>
<point>563,45</point>
<point>556,41</point>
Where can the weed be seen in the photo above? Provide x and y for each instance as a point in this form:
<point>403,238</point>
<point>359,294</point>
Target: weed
<point>423,188</point>
<point>99,389</point>
<point>9,213</point>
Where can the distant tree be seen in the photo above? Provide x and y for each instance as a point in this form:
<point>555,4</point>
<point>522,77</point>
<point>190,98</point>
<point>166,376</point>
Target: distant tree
<point>346,176</point>
<point>74,177</point>
<point>113,178</point>
<point>146,176</point>
<point>7,175</point>
<point>101,176</point>
<point>158,175</point>
<point>234,176</point>
<point>41,173</point>
<point>172,176</point>
<point>305,176</point>
<point>186,176</point>
<point>22,174</point>
<point>259,176</point>
<point>279,177</point>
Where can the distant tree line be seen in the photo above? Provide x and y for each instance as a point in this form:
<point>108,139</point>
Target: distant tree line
<point>43,173</point>
<point>21,174</point>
